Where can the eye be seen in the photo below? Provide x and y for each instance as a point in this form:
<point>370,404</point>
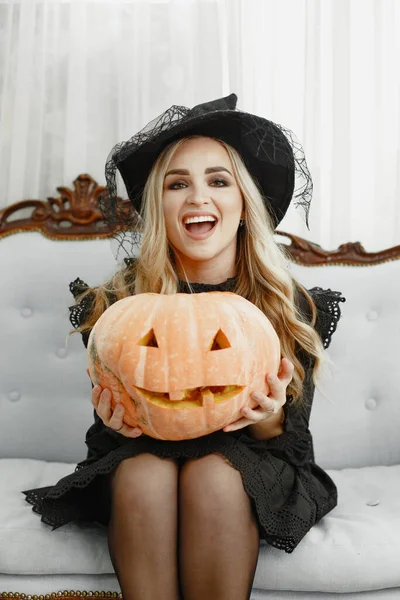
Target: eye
<point>220,341</point>
<point>224,183</point>
<point>176,183</point>
<point>149,340</point>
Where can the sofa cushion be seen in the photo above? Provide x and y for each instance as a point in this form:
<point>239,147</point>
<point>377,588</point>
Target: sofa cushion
<point>355,547</point>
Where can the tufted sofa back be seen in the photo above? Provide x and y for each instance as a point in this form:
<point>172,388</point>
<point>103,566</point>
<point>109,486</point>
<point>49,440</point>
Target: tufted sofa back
<point>357,423</point>
<point>45,406</point>
<point>44,388</point>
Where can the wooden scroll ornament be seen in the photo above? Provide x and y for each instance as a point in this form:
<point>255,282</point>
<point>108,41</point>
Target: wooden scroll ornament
<point>75,214</point>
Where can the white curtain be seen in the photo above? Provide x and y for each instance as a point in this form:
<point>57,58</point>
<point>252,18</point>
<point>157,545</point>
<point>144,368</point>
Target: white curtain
<point>78,76</point>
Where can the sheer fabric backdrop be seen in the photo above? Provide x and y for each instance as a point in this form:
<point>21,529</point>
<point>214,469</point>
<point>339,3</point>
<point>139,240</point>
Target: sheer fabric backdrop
<point>78,76</point>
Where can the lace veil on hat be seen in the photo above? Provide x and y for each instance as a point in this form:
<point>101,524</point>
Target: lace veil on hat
<point>271,153</point>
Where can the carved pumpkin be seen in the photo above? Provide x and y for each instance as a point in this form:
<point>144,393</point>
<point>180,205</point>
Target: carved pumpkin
<point>183,365</point>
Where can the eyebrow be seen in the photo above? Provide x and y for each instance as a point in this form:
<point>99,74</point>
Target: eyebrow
<point>207,171</point>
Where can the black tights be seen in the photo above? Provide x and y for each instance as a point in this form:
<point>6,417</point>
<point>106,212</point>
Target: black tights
<point>181,533</point>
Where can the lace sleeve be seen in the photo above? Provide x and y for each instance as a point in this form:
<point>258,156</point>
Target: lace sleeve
<point>99,438</point>
<point>328,312</point>
<point>295,443</point>
<point>79,311</point>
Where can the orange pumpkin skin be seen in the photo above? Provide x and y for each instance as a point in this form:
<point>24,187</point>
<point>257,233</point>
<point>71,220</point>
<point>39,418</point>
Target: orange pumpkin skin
<point>183,365</point>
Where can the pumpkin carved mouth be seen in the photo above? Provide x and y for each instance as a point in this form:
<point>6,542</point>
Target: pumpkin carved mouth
<point>193,397</point>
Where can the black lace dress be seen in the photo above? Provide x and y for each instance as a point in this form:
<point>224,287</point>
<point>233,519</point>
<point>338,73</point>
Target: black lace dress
<point>289,492</point>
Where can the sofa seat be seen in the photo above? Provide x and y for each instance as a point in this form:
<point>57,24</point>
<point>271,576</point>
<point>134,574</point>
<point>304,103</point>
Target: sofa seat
<point>358,539</point>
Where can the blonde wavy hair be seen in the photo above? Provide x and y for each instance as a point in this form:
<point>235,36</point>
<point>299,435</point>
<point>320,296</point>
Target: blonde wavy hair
<point>262,274</point>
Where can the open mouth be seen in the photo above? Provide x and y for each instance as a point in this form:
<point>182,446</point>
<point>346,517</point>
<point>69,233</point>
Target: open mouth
<point>193,397</point>
<point>199,228</point>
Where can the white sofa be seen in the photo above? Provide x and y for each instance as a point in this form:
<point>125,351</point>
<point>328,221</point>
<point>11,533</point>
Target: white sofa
<point>354,552</point>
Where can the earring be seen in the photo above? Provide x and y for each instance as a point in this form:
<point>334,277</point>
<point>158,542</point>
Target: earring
<point>241,222</point>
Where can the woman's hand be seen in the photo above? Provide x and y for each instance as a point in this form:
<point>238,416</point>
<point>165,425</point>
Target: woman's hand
<point>269,413</point>
<point>101,400</point>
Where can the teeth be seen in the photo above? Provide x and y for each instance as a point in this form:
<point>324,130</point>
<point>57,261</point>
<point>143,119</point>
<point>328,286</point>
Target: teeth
<point>199,219</point>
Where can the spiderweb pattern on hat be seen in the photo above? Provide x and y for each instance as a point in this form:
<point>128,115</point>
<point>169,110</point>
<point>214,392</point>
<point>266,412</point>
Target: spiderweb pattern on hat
<point>265,142</point>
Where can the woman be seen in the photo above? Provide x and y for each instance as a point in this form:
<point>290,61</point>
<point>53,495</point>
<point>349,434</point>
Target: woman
<point>185,519</point>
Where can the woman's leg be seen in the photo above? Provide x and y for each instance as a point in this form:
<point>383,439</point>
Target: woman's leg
<point>218,534</point>
<point>142,532</point>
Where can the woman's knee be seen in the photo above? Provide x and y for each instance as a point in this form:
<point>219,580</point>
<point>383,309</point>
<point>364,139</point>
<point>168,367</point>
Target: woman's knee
<point>141,480</point>
<point>211,485</point>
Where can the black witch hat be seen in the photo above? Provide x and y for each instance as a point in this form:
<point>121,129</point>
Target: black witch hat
<point>270,152</point>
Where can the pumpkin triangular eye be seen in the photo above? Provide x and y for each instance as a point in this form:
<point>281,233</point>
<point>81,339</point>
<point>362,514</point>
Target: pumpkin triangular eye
<point>220,341</point>
<point>149,339</point>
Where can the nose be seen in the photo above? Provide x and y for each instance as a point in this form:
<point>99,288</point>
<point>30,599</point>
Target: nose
<point>198,196</point>
<point>198,200</point>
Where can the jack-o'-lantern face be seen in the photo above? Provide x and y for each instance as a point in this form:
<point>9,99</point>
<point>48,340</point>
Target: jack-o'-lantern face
<point>183,365</point>
<point>196,396</point>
